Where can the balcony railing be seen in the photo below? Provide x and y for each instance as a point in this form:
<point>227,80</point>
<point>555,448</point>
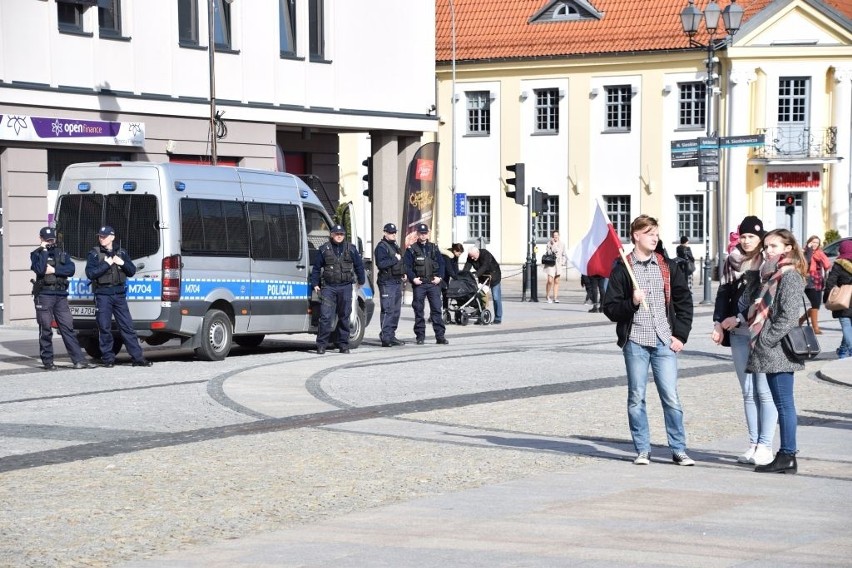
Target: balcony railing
<point>797,142</point>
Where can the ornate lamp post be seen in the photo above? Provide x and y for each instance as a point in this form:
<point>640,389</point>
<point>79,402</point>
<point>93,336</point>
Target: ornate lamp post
<point>690,18</point>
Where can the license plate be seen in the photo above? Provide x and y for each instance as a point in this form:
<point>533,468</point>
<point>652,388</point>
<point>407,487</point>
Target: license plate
<point>83,311</point>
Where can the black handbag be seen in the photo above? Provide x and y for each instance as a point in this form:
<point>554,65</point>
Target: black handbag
<point>802,342</point>
<point>548,259</point>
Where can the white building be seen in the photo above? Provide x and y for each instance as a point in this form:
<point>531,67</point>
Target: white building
<point>94,80</point>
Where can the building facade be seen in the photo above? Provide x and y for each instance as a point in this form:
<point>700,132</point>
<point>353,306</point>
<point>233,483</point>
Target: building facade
<point>102,80</point>
<point>604,101</point>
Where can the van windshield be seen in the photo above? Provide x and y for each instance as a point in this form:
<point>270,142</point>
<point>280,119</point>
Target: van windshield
<point>134,218</point>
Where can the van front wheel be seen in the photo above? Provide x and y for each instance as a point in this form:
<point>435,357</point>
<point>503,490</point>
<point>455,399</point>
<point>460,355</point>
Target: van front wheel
<point>357,327</point>
<point>216,335</point>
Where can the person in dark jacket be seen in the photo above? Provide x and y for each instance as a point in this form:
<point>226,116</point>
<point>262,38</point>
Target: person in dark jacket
<point>773,314</point>
<point>451,270</point>
<point>653,321</point>
<point>487,272</point>
<point>840,274</point>
<point>53,268</point>
<point>390,280</point>
<point>108,269</point>
<point>685,252</point>
<point>338,265</point>
<point>424,265</point>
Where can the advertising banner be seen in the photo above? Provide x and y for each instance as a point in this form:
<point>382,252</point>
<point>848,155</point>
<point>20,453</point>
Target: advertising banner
<point>420,190</point>
<point>21,128</point>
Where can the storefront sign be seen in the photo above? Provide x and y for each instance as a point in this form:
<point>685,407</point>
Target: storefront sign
<point>21,128</point>
<point>793,180</point>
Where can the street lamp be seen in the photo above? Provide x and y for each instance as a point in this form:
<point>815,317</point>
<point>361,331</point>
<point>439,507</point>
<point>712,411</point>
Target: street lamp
<point>690,19</point>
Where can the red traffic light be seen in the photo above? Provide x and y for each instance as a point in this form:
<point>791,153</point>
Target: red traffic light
<point>790,200</point>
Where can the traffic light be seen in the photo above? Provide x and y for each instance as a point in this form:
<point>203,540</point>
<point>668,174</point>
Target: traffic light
<point>790,205</point>
<point>539,200</point>
<point>368,178</point>
<point>518,181</point>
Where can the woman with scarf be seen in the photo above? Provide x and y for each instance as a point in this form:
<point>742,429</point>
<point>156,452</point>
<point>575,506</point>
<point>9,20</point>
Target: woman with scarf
<point>740,284</point>
<point>841,273</point>
<point>772,315</point>
<point>818,265</point>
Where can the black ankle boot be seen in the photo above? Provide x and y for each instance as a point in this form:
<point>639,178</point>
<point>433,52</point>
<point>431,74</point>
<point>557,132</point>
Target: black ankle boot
<point>783,463</point>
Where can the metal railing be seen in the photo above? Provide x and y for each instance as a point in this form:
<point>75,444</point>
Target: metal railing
<point>797,142</point>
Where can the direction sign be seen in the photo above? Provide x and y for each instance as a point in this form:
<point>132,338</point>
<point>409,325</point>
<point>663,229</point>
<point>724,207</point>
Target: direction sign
<point>743,141</point>
<point>684,153</point>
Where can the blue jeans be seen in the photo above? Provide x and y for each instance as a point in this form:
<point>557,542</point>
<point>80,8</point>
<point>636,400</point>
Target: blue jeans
<point>761,415</point>
<point>846,342</point>
<point>781,385</point>
<point>497,298</point>
<point>664,363</point>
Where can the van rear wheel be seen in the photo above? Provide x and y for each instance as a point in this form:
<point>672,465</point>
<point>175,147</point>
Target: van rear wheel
<point>357,327</point>
<point>92,345</point>
<point>216,336</point>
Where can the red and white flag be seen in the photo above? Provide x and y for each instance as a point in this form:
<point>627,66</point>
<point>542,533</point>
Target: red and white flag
<point>599,249</point>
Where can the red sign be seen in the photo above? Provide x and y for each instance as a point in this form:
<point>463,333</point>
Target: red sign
<point>792,180</point>
<point>425,170</point>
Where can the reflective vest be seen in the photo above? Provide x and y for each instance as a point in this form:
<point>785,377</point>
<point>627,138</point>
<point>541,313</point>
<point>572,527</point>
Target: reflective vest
<point>337,269</point>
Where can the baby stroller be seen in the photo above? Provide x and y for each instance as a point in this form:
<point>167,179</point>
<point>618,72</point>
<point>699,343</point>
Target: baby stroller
<point>466,300</point>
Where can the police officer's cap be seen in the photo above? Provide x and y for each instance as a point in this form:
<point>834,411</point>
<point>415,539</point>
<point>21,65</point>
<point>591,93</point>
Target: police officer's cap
<point>390,228</point>
<point>106,231</point>
<point>422,228</point>
<point>338,229</point>
<point>48,233</point>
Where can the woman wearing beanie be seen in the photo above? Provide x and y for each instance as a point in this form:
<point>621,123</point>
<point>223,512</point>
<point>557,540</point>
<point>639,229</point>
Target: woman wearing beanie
<point>740,284</point>
<point>818,264</point>
<point>840,274</point>
<point>773,314</point>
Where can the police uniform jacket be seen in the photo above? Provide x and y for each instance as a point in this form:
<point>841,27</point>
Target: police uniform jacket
<point>416,258</point>
<point>331,252</point>
<point>56,283</point>
<point>390,269</point>
<point>108,278</point>
<point>485,266</point>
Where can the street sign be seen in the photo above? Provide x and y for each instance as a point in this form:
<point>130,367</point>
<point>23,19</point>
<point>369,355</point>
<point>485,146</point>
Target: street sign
<point>708,159</point>
<point>684,153</point>
<point>742,141</point>
<point>461,205</point>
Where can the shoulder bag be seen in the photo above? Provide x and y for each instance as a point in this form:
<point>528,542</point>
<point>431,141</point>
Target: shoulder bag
<point>801,342</point>
<point>548,259</point>
<point>839,298</point>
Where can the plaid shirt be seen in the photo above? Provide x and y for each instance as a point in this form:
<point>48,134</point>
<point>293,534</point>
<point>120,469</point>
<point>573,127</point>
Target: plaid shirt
<point>650,324</point>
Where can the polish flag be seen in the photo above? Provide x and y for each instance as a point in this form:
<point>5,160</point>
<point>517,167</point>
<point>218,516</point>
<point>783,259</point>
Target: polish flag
<point>599,249</point>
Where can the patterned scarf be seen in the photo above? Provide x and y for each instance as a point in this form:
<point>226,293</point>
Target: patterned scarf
<point>736,264</point>
<point>770,275</point>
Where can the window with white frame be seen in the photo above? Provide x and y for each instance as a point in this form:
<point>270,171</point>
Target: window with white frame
<point>222,24</point>
<point>690,217</point>
<point>618,211</point>
<point>479,218</point>
<point>547,110</point>
<point>478,112</point>
<point>287,27</point>
<point>316,22</point>
<point>548,220</point>
<point>188,22</point>
<point>618,107</point>
<point>692,105</point>
<point>793,100</point>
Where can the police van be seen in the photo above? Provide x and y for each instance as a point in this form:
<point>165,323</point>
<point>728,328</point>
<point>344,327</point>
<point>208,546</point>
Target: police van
<point>223,254</point>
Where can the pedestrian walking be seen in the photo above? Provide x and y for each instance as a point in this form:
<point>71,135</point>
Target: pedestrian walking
<point>840,275</point>
<point>53,267</point>
<point>818,266</point>
<point>556,249</point>
<point>390,280</point>
<point>487,272</point>
<point>684,252</point>
<point>338,265</point>
<point>424,266</point>
<point>739,288</point>
<point>108,267</point>
<point>595,289</point>
<point>648,299</point>
<point>772,315</point>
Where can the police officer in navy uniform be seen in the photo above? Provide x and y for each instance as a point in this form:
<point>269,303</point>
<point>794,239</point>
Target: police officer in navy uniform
<point>424,265</point>
<point>338,265</point>
<point>391,276</point>
<point>108,269</point>
<point>53,268</point>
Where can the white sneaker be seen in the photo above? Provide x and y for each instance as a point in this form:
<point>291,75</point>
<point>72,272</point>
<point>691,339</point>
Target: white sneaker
<point>762,455</point>
<point>549,301</point>
<point>748,455</point>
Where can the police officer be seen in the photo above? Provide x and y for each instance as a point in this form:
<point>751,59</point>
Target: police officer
<point>108,270</point>
<point>338,264</point>
<point>424,265</point>
<point>52,268</point>
<point>391,276</point>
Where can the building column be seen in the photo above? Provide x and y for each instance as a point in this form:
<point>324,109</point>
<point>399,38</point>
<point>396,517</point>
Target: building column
<point>839,204</point>
<point>736,160</point>
<point>387,202</point>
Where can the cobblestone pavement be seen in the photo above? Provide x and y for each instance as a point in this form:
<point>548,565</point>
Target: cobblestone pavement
<point>109,466</point>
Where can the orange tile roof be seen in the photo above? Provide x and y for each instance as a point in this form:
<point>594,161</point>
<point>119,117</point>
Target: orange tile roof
<point>488,29</point>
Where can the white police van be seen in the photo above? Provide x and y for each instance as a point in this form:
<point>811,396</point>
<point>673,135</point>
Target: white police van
<point>222,254</point>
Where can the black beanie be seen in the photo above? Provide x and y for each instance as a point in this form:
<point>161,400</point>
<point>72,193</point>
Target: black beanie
<point>753,226</point>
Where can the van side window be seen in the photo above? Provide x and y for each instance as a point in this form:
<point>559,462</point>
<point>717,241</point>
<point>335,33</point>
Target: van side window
<point>275,231</point>
<point>213,227</point>
<point>317,226</point>
<point>79,217</point>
